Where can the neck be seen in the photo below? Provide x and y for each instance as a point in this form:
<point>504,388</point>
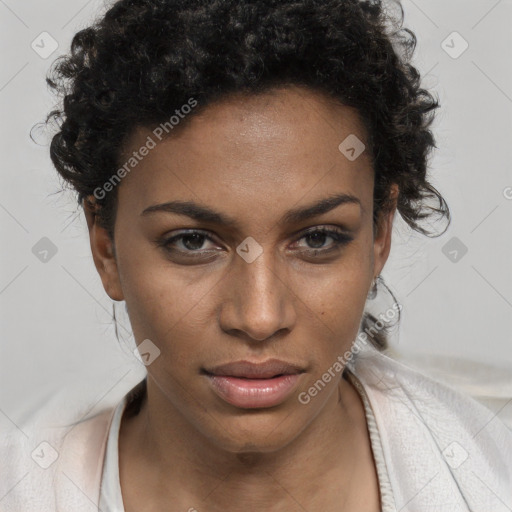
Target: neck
<point>180,461</point>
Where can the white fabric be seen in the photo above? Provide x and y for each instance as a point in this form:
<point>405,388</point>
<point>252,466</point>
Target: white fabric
<point>386,492</point>
<point>491,385</point>
<point>111,499</point>
<point>444,452</point>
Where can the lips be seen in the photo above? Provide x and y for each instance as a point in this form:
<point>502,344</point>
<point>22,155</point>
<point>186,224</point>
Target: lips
<point>248,370</point>
<point>254,385</point>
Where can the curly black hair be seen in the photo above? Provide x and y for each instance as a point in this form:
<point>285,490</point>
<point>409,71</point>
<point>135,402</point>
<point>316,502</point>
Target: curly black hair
<point>144,59</point>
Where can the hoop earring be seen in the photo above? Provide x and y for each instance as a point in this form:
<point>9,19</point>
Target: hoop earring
<point>372,293</point>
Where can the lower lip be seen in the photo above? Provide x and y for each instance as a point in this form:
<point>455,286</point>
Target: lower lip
<point>253,393</point>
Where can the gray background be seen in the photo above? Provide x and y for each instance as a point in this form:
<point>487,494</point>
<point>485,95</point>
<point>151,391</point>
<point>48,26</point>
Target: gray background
<point>56,329</point>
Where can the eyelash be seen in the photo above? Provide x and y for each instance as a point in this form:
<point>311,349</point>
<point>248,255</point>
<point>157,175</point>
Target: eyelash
<point>340,240</point>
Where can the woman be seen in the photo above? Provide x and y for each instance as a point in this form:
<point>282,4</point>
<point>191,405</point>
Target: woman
<point>240,165</point>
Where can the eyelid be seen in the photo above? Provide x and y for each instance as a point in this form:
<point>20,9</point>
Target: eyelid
<point>166,240</point>
<point>340,236</point>
<point>322,227</point>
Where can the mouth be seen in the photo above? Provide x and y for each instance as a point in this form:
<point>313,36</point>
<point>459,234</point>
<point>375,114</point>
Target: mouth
<point>249,370</point>
<point>254,385</point>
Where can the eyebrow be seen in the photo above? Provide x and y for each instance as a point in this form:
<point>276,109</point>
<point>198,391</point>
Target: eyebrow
<point>296,215</point>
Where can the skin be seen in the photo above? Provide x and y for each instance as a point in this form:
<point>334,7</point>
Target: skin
<point>253,159</point>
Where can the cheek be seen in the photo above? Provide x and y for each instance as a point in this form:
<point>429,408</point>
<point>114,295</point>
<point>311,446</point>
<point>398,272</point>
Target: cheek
<point>336,305</point>
<point>338,297</point>
<point>157,293</point>
<point>171,311</point>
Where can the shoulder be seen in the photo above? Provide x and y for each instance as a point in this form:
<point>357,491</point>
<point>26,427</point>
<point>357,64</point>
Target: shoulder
<point>46,461</point>
<point>394,386</point>
<point>384,375</point>
<point>429,430</point>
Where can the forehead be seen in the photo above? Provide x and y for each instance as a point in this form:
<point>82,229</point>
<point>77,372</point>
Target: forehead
<point>268,149</point>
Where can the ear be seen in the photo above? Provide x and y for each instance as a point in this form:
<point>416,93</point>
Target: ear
<point>382,237</point>
<point>103,251</point>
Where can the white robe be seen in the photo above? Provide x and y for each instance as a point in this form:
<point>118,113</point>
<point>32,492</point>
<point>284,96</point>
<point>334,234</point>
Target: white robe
<point>444,452</point>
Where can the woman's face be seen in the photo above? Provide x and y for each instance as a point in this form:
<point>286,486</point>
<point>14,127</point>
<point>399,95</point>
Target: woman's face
<point>257,286</point>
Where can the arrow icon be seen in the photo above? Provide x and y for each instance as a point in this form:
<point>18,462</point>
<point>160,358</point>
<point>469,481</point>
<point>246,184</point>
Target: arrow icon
<point>249,249</point>
<point>44,455</point>
<point>146,352</point>
<point>454,45</point>
<point>44,45</point>
<point>351,147</point>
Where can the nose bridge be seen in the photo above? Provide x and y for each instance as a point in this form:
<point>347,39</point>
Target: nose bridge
<point>261,278</point>
<point>262,301</point>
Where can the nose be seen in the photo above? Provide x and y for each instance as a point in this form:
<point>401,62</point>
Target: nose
<point>258,301</point>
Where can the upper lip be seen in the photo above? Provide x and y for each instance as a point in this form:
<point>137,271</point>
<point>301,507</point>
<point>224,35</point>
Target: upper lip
<point>249,370</point>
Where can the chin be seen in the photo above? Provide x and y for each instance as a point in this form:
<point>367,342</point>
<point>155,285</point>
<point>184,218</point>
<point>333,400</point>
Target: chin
<point>252,435</point>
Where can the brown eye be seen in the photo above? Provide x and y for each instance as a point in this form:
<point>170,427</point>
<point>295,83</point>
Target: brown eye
<point>192,241</point>
<point>317,238</point>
